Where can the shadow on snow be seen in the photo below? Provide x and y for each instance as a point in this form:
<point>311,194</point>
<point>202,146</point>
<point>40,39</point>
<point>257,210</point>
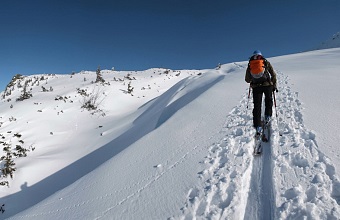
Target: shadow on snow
<point>157,112</point>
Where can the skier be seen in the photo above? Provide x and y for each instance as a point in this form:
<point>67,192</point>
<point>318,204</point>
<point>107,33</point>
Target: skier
<point>262,78</point>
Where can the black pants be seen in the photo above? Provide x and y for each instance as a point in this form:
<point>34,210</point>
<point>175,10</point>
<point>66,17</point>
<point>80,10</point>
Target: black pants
<point>257,99</point>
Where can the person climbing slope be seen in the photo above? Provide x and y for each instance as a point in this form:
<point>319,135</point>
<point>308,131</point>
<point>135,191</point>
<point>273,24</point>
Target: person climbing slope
<point>262,78</point>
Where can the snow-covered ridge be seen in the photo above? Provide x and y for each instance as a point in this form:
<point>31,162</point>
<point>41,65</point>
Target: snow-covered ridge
<point>333,42</point>
<point>179,147</point>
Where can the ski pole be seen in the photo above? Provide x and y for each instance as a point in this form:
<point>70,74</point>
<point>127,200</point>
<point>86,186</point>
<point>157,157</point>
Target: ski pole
<point>248,96</point>
<point>275,103</point>
<point>276,114</point>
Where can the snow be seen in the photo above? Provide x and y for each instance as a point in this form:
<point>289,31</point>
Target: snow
<point>180,148</point>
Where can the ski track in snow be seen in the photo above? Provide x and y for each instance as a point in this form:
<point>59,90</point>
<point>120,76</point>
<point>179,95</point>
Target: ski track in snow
<point>292,179</point>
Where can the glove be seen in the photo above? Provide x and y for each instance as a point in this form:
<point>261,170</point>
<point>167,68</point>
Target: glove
<point>275,89</point>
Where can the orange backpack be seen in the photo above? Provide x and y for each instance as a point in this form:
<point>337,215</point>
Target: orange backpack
<point>257,68</point>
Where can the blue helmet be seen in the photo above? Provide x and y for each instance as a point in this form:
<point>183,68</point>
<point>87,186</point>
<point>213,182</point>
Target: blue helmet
<point>257,52</point>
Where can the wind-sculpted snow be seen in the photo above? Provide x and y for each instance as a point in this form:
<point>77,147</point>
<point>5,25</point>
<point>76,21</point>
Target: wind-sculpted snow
<point>176,98</point>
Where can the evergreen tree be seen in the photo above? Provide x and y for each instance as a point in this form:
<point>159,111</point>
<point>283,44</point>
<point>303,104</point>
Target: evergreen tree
<point>99,76</point>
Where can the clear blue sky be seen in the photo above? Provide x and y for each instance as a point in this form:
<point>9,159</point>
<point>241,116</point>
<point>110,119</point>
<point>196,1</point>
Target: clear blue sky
<point>62,36</point>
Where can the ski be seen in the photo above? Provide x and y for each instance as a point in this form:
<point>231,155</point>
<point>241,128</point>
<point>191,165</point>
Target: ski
<point>262,137</point>
<point>258,144</point>
<point>266,131</point>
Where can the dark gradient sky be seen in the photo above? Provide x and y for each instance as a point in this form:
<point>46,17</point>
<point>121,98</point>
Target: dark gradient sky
<point>50,36</point>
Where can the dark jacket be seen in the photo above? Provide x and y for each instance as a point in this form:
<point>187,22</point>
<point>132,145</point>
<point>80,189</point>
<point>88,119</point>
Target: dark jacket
<point>268,70</point>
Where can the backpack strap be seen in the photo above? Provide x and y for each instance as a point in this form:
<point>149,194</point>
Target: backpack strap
<point>269,77</point>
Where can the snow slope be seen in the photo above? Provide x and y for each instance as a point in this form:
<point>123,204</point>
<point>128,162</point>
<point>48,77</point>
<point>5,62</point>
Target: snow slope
<point>179,148</point>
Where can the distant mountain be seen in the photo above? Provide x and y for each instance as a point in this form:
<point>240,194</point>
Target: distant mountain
<point>330,43</point>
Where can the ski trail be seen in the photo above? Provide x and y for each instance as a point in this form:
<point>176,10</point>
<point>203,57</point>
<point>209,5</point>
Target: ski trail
<point>261,191</point>
<point>292,179</point>
<point>260,197</point>
<point>267,193</point>
<point>235,184</point>
<point>305,180</point>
